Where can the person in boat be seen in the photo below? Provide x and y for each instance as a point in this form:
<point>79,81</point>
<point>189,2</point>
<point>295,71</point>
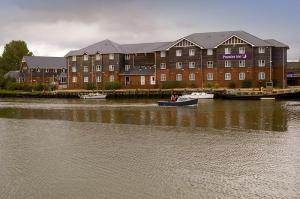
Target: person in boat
<point>173,99</point>
<point>176,97</point>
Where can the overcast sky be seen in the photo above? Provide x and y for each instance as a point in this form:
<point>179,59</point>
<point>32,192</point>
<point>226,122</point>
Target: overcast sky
<point>52,28</point>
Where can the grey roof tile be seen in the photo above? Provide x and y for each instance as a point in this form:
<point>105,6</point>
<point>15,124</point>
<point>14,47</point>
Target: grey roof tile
<point>139,70</point>
<point>276,43</point>
<point>45,62</point>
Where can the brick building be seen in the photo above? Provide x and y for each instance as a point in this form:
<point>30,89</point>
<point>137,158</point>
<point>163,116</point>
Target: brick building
<point>197,60</point>
<point>293,77</point>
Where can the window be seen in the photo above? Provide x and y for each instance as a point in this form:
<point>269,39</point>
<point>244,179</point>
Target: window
<point>74,79</point>
<point>152,80</point>
<point>143,80</point>
<point>261,75</point>
<point>261,63</point>
<point>227,76</point>
<point>242,63</point>
<point>242,76</point>
<point>111,56</point>
<point>127,57</point>
<point>192,52</point>
<point>261,50</point>
<point>178,53</point>
<point>178,65</point>
<point>163,77</point>
<point>163,66</point>
<point>99,79</point>
<point>73,58</point>
<point>85,79</point>
<point>127,67</point>
<point>162,53</point>
<point>111,78</point>
<point>74,69</point>
<point>46,70</point>
<point>98,57</point>
<point>210,64</point>
<point>210,76</point>
<point>111,68</point>
<point>55,71</point>
<point>192,64</point>
<point>98,68</point>
<point>178,77</point>
<point>227,64</point>
<point>85,69</point>
<point>242,50</point>
<point>227,51</point>
<point>192,76</point>
<point>85,57</point>
<point>210,52</point>
<point>38,70</point>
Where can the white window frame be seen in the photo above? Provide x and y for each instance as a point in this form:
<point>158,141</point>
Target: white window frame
<point>227,64</point>
<point>98,68</point>
<point>210,64</point>
<point>74,79</point>
<point>111,56</point>
<point>111,78</point>
<point>242,63</point>
<point>98,57</point>
<point>99,79</point>
<point>261,75</point>
<point>152,80</point>
<point>85,69</point>
<point>111,68</point>
<point>210,76</point>
<point>163,77</point>
<point>162,53</point>
<point>143,80</point>
<point>74,58</point>
<point>192,77</point>
<point>227,51</point>
<point>127,67</point>
<point>179,77</point>
<point>227,76</point>
<point>210,52</point>
<point>242,50</point>
<point>127,56</point>
<point>74,69</point>
<point>163,65</point>
<point>46,70</point>
<point>192,64</point>
<point>242,76</point>
<point>261,63</point>
<point>85,57</point>
<point>261,50</point>
<point>86,79</point>
<point>178,53</point>
<point>178,65</point>
<point>192,52</point>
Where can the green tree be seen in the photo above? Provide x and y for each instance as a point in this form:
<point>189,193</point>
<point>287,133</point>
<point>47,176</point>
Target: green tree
<point>12,56</point>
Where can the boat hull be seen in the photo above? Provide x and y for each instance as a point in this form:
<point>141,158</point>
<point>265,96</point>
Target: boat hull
<point>189,102</point>
<point>291,95</point>
<point>199,96</point>
<point>100,96</point>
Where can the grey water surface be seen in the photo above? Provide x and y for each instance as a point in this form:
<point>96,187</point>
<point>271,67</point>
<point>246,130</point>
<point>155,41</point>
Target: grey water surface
<point>55,148</point>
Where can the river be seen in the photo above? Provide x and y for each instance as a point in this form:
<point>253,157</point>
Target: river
<point>56,148</point>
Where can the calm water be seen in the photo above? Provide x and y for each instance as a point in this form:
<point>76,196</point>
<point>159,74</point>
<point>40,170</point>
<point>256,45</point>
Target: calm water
<point>51,148</point>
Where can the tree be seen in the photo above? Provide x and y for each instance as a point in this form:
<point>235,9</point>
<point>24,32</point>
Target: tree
<point>12,56</point>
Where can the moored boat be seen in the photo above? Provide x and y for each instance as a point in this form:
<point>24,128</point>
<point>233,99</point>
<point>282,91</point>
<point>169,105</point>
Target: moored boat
<point>179,102</point>
<point>199,95</point>
<point>93,96</point>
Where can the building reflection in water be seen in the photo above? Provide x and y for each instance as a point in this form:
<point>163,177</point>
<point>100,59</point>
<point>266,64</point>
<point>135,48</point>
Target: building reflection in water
<point>256,115</point>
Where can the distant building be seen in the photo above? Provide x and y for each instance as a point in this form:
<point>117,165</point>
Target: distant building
<point>52,70</point>
<point>197,60</point>
<point>293,74</point>
<point>16,75</point>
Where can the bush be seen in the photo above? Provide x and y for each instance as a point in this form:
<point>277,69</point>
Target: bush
<point>90,86</point>
<point>261,83</point>
<point>212,85</point>
<point>246,84</point>
<point>171,84</point>
<point>41,87</point>
<point>232,85</point>
<point>112,86</point>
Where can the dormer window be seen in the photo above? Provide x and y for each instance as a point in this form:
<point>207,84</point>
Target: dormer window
<point>73,58</point>
<point>38,70</point>
<point>85,57</point>
<point>111,56</point>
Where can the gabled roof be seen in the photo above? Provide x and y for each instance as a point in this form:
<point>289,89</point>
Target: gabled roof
<point>142,47</point>
<point>13,74</point>
<point>276,43</point>
<point>44,62</point>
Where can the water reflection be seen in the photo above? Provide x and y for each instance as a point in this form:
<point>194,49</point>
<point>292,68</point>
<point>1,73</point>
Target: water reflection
<point>217,114</point>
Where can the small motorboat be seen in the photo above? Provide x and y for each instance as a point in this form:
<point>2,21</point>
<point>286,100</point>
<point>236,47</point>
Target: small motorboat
<point>199,95</point>
<point>93,96</point>
<point>179,102</point>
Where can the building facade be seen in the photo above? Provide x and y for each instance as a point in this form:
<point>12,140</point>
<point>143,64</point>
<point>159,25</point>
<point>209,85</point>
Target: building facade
<point>221,59</point>
<point>52,70</point>
<point>293,76</point>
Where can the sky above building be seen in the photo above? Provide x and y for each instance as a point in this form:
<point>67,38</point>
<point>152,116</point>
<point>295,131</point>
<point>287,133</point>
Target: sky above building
<point>52,28</point>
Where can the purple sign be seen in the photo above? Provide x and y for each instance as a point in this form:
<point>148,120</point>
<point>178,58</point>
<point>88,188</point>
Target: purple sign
<point>234,56</point>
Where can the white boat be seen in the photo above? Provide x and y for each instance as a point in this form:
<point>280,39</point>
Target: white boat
<point>198,95</point>
<point>93,96</point>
